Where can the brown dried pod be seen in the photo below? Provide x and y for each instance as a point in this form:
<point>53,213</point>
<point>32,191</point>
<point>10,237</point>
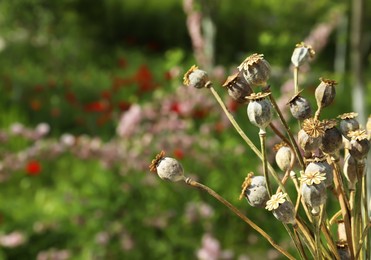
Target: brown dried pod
<point>320,164</point>
<point>300,107</point>
<point>260,110</point>
<point>238,88</point>
<point>348,123</point>
<point>359,144</point>
<point>325,92</point>
<point>332,139</point>
<point>310,136</point>
<point>313,190</point>
<point>255,69</point>
<point>350,170</point>
<point>196,78</point>
<point>281,208</point>
<point>301,54</point>
<point>283,157</point>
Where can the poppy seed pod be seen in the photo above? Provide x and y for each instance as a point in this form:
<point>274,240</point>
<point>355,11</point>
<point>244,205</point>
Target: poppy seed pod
<point>348,123</point>
<point>313,190</point>
<point>255,69</point>
<point>300,107</point>
<point>301,54</point>
<point>167,168</point>
<point>282,209</point>
<point>359,144</point>
<point>332,139</point>
<point>314,196</point>
<point>237,87</point>
<point>196,78</point>
<point>255,191</point>
<point>325,92</point>
<point>260,110</point>
<point>283,156</point>
<point>285,213</point>
<point>310,136</point>
<point>321,165</point>
<point>350,169</point>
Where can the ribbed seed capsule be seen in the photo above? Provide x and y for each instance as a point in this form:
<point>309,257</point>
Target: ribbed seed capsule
<point>332,139</point>
<point>359,144</point>
<point>196,78</point>
<point>300,107</point>
<point>348,123</point>
<point>350,169</point>
<point>260,110</point>
<point>167,168</point>
<point>313,190</point>
<point>314,196</point>
<point>282,209</point>
<point>301,54</point>
<point>255,191</point>
<point>321,165</point>
<point>238,88</point>
<point>283,156</point>
<point>310,136</point>
<point>255,69</point>
<point>285,213</point>
<point>325,92</point>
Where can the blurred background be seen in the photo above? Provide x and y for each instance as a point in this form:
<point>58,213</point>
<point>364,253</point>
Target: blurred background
<point>91,91</point>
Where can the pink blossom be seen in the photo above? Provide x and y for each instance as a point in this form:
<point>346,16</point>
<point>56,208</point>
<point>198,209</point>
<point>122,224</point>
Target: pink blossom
<point>129,121</point>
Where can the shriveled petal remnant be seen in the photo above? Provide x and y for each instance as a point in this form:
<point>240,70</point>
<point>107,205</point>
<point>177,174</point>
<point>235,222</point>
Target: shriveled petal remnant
<point>358,135</point>
<point>230,79</point>
<point>328,82</point>
<point>328,124</point>
<point>156,161</point>
<point>258,96</point>
<point>186,75</point>
<point>255,58</point>
<point>313,127</point>
<point>275,201</point>
<point>309,47</point>
<point>348,115</point>
<point>311,178</point>
<point>276,147</point>
<point>246,183</point>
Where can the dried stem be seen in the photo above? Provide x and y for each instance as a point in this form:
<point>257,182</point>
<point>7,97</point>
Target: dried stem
<point>296,79</point>
<point>244,136</point>
<point>363,238</point>
<point>343,205</point>
<point>291,137</point>
<point>195,184</point>
<point>280,135</point>
<point>262,136</point>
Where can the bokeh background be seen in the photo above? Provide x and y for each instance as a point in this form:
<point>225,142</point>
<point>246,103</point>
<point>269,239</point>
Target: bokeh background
<point>92,90</point>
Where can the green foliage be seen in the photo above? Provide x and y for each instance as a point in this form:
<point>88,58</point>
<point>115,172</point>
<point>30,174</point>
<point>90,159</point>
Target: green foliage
<point>79,66</point>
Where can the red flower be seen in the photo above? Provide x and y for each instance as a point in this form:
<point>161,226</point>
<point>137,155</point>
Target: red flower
<point>144,79</point>
<point>178,153</point>
<point>123,105</point>
<point>35,104</point>
<point>232,105</point>
<point>33,168</point>
<point>175,107</point>
<point>97,106</point>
